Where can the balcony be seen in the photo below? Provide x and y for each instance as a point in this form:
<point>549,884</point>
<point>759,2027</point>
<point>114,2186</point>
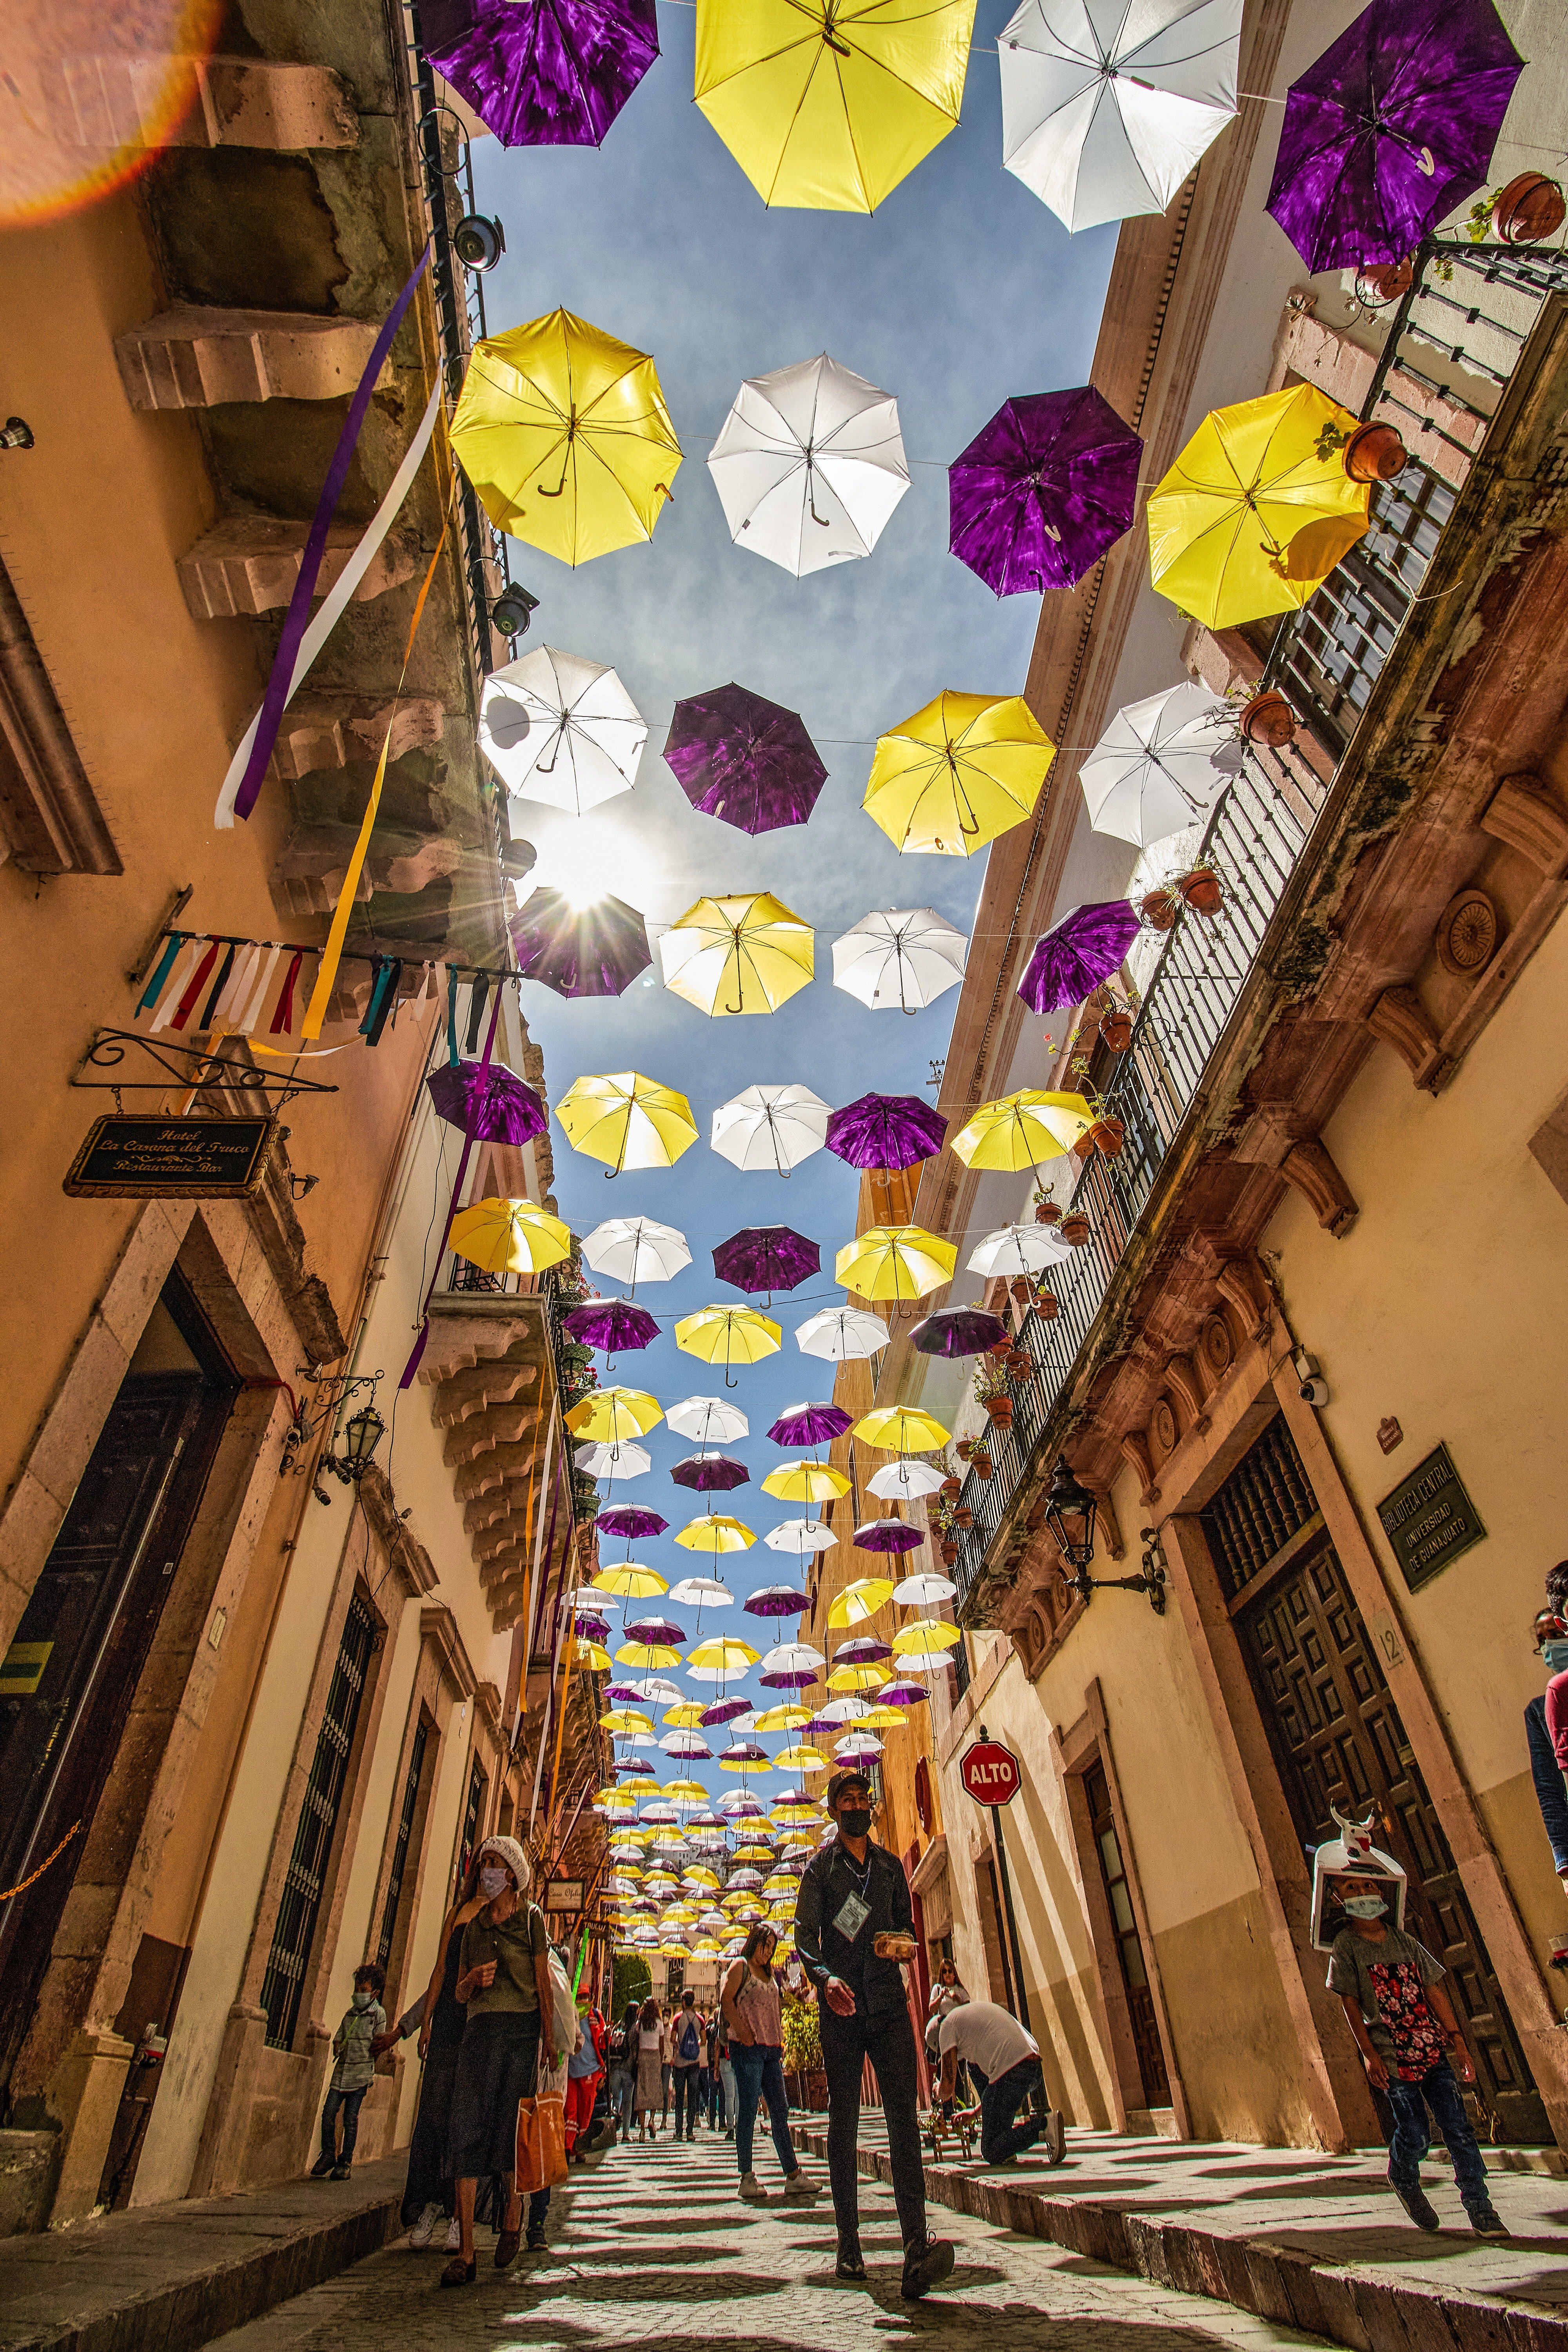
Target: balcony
<point>545,1305</point>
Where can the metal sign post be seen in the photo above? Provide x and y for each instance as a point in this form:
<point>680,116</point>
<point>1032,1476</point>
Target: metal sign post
<point>990,1775</point>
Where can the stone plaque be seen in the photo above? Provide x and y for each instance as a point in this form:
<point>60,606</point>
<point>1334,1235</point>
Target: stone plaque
<point>1429,1519</point>
<point>173,1160</point>
<point>563,1895</point>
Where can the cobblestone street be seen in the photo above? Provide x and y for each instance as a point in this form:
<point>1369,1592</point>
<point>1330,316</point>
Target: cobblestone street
<point>650,2246</point>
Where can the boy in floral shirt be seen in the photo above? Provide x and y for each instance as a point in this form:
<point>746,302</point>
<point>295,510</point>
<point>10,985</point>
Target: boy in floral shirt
<point>1404,2028</point>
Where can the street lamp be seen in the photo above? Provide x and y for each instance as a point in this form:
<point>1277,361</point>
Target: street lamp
<point>1069,1515</point>
<point>362,1435</point>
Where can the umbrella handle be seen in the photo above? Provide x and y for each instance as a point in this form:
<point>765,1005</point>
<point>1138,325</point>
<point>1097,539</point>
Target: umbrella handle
<point>547,767</point>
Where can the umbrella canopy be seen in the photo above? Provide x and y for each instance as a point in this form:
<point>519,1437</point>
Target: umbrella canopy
<point>486,1103</point>
<point>860,1600</point>
<point>590,1628</point>
<point>562,729</point>
<point>810,1424</point>
<point>926,1638</point>
<point>724,1710</point>
<point>553,75</point>
<point>885,1131</point>
<point>902,1429</point>
<point>592,1658</point>
<point>1390,128</point>
<point>890,1536</point>
<point>792,1678</point>
<point>738,756</point>
<point>635,1249</point>
<point>855,1745</point>
<point>895,1262</point>
<point>864,1650</point>
<point>1257,509</point>
<point>800,1536</point>
<point>958,773</point>
<point>830,107</point>
<point>656,1629</point>
<point>796,1658</point>
<point>769,1127</point>
<point>596,950</point>
<point>899,960</point>
<point>1022,1129</point>
<point>616,1459</point>
<point>725,1652</point>
<point>785,1718</point>
<point>633,1520</point>
<point>727,1336</point>
<point>925,1590</point>
<point>646,1653</point>
<point>1014,1249</point>
<point>509,1236</point>
<point>805,1482</point>
<point>955,1331</point>
<point>711,1474</point>
<point>564,433</point>
<point>766,1258</point>
<point>776,1600</point>
<point>902,1482</point>
<point>899,1693</point>
<point>742,954</point>
<point>744,1756</point>
<point>842,1334</point>
<point>1152,771</point>
<point>630,1580</point>
<point>626,1120</point>
<point>1106,110</point>
<point>715,1533</point>
<point>1043,491</point>
<point>840,1711</point>
<point>1068,961</point>
<point>710,1420</point>
<point>611,1415</point>
<point>611,1324</point>
<point>699,1593</point>
<point>809,465</point>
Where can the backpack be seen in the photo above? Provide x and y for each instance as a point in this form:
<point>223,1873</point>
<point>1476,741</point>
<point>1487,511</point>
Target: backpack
<point>617,2043</point>
<point>691,2043</point>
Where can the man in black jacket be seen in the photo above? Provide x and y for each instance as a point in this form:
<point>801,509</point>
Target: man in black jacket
<point>852,1896</point>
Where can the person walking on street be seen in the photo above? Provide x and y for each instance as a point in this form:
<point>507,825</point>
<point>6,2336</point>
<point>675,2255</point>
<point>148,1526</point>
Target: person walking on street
<point>437,2017</point>
<point>717,2058</point>
<point>353,2074</point>
<point>622,2053</point>
<point>754,2016</point>
<point>853,1927</point>
<point>1006,2060</point>
<point>584,2072</point>
<point>650,2065</point>
<point>667,2057</point>
<point>503,1984</point>
<point>686,2042</point>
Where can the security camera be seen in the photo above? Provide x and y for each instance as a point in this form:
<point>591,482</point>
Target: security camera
<point>513,609</point>
<point>478,243</point>
<point>1315,1393</point>
<point>1314,1387</point>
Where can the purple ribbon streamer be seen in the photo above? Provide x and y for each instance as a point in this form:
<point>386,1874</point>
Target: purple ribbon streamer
<point>297,617</point>
<point>412,1365</point>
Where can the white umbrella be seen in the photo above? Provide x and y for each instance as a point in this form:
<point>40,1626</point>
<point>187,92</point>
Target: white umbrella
<point>840,1333</point>
<point>685,1743</point>
<point>902,959</point>
<point>793,1658</point>
<point>800,1536</point>
<point>809,465</point>
<point>1154,770</point>
<point>846,1709</point>
<point>700,1593</point>
<point>857,1744</point>
<point>924,1590</point>
<point>656,1686</point>
<point>901,1481</point>
<point>620,1460</point>
<point>708,1420</point>
<point>560,728</point>
<point>635,1249</point>
<point>1019,1249</point>
<point>1107,104</point>
<point>770,1128</point>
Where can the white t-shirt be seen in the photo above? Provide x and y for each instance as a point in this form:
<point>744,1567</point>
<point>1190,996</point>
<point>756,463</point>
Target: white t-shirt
<point>986,2034</point>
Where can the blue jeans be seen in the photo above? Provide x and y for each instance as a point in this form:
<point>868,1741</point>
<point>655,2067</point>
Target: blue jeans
<point>716,2096</point>
<point>1000,2100</point>
<point>759,2074</point>
<point>1439,2091</point>
<point>350,2103</point>
<point>623,2083</point>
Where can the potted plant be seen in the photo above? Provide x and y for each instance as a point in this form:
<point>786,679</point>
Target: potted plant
<point>965,1449</point>
<point>1201,890</point>
<point>1267,719</point>
<point>947,1551</point>
<point>1159,908</point>
<point>991,1389</point>
<point>1116,1029</point>
<point>1019,1365</point>
<point>1046,1304</point>
<point>1046,1211</point>
<point>1390,279</point>
<point>1529,208</point>
<point>963,1517</point>
<point>1019,1287</point>
<point>1074,1228</point>
<point>980,1462</point>
<point>950,1488</point>
<point>1107,1136</point>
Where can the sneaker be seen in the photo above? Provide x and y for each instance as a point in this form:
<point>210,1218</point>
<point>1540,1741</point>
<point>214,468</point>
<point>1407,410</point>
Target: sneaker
<point>535,2243</point>
<point>1419,2207</point>
<point>1486,2223</point>
<point>322,2167</point>
<point>751,2190</point>
<point>797,2187</point>
<point>850,2264</point>
<point>423,2229</point>
<point>454,2236</point>
<point>341,2172</point>
<point>925,2267</point>
<point>1054,2137</point>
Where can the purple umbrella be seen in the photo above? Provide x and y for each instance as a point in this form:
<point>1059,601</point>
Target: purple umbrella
<point>865,1650</point>
<point>958,1332</point>
<point>767,1257</point>
<point>1391,127</point>
<point>633,1520</point>
<point>745,759</point>
<point>724,1710</point>
<point>810,1424</point>
<point>885,1131</point>
<point>744,1751</point>
<point>776,1600</point>
<point>658,1633</point>
<point>1074,956</point>
<point>554,73</point>
<point>887,1534</point>
<point>711,1474</point>
<point>611,1324</point>
<point>902,1693</point>
<point>821,1723</point>
<point>488,1106</point>
<point>789,1678</point>
<point>1043,491</point>
<point>591,1628</point>
<point>595,951</point>
<point>624,1692</point>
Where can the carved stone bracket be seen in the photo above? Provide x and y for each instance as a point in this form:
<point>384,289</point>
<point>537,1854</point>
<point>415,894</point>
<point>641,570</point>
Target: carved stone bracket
<point>1240,1283</point>
<point>1522,812</point>
<point>1182,1373</point>
<point>1310,1168</point>
<point>1135,1450</point>
<point>1400,1019</point>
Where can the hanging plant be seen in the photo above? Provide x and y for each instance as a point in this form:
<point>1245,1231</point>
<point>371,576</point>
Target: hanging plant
<point>965,1449</point>
<point>1047,1305</point>
<point>1266,719</point>
<point>1046,1211</point>
<point>981,1462</point>
<point>1201,890</point>
<point>962,1518</point>
<point>1159,909</point>
<point>1020,1366</point>
<point>1019,1288</point>
<point>1116,1029</point>
<point>1386,283</point>
<point>948,1552</point>
<point>950,1488</point>
<point>1107,1136</point>
<point>1074,1228</point>
<point>1529,208</point>
<point>992,1391</point>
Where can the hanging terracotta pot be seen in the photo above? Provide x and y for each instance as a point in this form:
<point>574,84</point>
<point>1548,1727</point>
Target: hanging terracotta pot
<point>1074,1228</point>
<point>1386,283</point>
<point>1374,453</point>
<point>1201,891</point>
<point>949,1552</point>
<point>1530,207</point>
<point>1116,1030</point>
<point>962,1518</point>
<point>1269,720</point>
<point>1047,1212</point>
<point>1019,1287</point>
<point>964,1450</point>
<point>1020,1366</point>
<point>950,1488</point>
<point>999,1410</point>
<point>1160,909</point>
<point>1047,1305</point>
<point>1108,1136</point>
<point>983,1466</point>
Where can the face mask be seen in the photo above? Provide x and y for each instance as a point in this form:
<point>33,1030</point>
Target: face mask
<point>855,1821</point>
<point>493,1883</point>
<point>1555,1654</point>
<point>1365,1906</point>
<point>363,2000</point>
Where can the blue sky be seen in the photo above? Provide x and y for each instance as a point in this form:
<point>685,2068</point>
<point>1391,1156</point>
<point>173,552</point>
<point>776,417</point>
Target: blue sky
<point>962,291</point>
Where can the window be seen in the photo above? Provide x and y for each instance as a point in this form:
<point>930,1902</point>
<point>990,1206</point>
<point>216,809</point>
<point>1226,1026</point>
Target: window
<point>959,1657</point>
<point>473,1814</point>
<point>1153,2078</point>
<point>405,1836</point>
<point>1266,1501</point>
<point>283,1988</point>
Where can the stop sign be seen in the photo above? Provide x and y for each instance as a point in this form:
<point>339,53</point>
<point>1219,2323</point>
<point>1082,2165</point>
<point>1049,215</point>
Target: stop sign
<point>990,1773</point>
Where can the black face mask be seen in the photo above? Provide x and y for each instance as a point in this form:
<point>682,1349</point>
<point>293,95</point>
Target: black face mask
<point>855,1821</point>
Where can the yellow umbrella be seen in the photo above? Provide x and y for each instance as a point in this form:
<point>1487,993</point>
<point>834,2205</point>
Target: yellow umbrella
<point>680,1792</point>
<point>626,1120</point>
<point>828,106</point>
<point>881,1718</point>
<point>860,1600</point>
<point>783,1718</point>
<point>925,1638</point>
<point>805,1482</point>
<point>630,1581</point>
<point>564,433</point>
<point>729,1334</point>
<point>509,1236</point>
<point>715,1533</point>
<point>1257,509</point>
<point>592,1657</point>
<point>629,1719</point>
<point>614,1413</point>
<point>800,1759</point>
<point>895,1262</point>
<point>899,1429</point>
<point>723,1652</point>
<point>745,954</point>
<point>643,1654</point>
<point>687,1716</point>
<point>725,1766</point>
<point>1022,1129</point>
<point>959,772</point>
<point>702,1875</point>
<point>857,1678</point>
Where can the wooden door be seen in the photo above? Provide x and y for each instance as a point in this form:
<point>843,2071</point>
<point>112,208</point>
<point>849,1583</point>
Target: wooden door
<point>1151,2075</point>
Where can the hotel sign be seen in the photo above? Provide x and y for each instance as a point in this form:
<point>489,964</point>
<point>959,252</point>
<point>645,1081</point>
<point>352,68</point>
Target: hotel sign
<point>1429,1519</point>
<point>173,1160</point>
